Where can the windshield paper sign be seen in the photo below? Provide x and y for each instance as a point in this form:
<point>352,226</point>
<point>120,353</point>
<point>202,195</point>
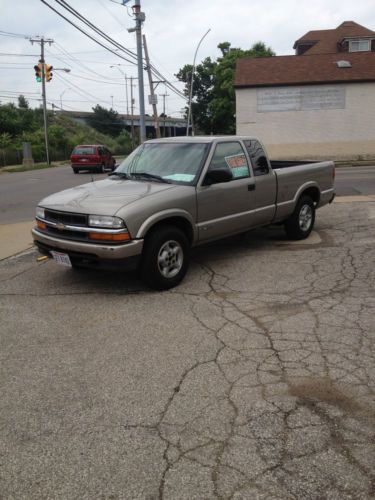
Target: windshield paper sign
<point>238,165</point>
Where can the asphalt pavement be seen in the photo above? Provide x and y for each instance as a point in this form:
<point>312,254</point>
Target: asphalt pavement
<point>254,379</point>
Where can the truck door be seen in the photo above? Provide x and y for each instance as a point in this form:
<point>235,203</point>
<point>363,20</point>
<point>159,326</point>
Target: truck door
<point>266,187</point>
<point>227,207</point>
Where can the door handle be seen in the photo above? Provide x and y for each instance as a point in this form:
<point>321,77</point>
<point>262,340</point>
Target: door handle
<point>251,187</point>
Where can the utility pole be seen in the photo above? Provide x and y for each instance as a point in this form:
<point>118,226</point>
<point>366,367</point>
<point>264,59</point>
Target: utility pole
<point>139,18</point>
<point>164,96</point>
<point>42,41</point>
<point>152,93</point>
<point>132,110</point>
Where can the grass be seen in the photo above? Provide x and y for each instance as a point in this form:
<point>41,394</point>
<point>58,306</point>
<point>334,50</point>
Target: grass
<point>26,168</point>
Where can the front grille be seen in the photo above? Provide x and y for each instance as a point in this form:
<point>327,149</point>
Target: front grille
<point>66,234</point>
<point>65,218</point>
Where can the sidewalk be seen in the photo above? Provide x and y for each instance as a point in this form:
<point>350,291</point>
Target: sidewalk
<point>15,238</point>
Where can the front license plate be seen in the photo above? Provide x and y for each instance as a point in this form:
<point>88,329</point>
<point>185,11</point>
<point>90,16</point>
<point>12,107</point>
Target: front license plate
<point>61,258</point>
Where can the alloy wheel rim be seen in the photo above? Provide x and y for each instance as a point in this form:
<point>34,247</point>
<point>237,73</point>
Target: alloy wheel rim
<point>305,217</point>
<point>170,259</point>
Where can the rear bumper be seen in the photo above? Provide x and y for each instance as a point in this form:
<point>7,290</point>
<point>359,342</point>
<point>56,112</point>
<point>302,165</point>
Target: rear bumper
<point>93,251</point>
<point>86,166</point>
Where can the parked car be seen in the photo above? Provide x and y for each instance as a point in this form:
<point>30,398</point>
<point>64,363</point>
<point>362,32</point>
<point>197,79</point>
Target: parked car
<point>93,157</point>
<point>174,193</point>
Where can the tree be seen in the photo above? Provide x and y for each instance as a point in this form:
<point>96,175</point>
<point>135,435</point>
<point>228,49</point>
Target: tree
<point>213,106</point>
<point>5,142</point>
<point>23,102</point>
<point>106,121</point>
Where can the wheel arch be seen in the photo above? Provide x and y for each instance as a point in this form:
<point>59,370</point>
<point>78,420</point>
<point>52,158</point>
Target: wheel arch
<point>182,220</point>
<point>312,191</point>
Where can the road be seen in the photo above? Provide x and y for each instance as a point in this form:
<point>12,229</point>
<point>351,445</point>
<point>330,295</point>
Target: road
<point>254,379</point>
<point>20,192</point>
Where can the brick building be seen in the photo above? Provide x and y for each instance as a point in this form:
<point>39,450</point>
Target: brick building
<point>318,103</point>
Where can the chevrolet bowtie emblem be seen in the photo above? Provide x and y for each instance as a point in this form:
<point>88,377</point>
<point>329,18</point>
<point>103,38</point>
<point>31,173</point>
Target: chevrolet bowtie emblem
<point>60,226</point>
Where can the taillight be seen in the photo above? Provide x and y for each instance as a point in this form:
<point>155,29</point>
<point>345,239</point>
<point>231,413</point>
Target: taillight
<point>333,172</point>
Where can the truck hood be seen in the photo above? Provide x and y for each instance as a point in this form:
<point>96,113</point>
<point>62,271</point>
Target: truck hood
<point>103,197</point>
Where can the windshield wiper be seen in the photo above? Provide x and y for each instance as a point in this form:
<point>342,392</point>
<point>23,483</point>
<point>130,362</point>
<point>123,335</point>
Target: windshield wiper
<point>120,174</point>
<point>154,177</point>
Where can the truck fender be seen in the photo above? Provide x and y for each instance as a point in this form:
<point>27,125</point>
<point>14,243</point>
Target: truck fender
<point>165,215</point>
<point>305,187</point>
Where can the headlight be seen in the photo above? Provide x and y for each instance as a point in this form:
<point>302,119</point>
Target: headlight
<point>40,212</point>
<point>106,221</point>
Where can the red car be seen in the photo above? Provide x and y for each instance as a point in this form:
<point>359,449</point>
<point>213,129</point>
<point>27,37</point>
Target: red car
<point>93,157</point>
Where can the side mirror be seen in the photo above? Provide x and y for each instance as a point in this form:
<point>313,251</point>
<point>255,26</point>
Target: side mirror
<point>217,175</point>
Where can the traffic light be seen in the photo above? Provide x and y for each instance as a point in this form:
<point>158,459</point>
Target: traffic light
<point>49,73</point>
<point>38,72</point>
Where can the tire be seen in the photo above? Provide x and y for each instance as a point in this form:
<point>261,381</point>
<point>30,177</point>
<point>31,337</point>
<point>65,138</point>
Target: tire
<point>301,222</point>
<point>75,170</point>
<point>165,258</point>
<point>101,169</point>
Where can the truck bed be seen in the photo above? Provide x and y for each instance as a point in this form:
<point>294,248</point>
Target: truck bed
<point>289,163</point>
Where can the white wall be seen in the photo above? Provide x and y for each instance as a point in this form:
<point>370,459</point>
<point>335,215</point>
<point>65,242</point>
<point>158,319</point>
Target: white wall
<point>314,133</point>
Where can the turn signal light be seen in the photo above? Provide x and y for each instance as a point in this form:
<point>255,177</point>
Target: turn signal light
<point>41,225</point>
<point>109,237</point>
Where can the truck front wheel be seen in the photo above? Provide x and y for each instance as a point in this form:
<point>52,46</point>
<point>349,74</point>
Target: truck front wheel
<point>165,258</point>
<point>301,222</point>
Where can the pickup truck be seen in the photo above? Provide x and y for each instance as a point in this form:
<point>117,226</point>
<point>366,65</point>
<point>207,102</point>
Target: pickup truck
<point>172,194</point>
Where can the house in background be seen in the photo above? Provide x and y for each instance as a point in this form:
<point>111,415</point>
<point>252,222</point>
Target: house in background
<point>319,103</point>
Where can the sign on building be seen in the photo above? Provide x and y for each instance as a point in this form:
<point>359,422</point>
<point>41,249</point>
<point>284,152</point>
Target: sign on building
<point>301,98</point>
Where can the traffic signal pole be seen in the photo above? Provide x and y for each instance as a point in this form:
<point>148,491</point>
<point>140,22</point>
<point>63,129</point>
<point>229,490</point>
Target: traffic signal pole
<point>44,98</point>
<point>42,41</point>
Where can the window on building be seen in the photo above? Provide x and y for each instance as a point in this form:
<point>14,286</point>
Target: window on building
<point>359,45</point>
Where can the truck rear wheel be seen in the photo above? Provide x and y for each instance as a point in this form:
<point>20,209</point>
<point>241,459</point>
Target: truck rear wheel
<point>301,222</point>
<point>165,258</point>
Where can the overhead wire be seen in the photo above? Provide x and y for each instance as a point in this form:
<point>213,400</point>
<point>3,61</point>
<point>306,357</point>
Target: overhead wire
<point>76,14</point>
<point>84,32</point>
<point>82,93</point>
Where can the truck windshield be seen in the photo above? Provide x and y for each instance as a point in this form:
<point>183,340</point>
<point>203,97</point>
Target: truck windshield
<point>178,163</point>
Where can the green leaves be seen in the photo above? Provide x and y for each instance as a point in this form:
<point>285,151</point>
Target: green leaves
<point>213,105</point>
<point>106,121</point>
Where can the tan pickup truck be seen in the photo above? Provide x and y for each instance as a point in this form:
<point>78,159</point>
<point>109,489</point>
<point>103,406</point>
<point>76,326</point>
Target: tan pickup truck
<point>175,193</point>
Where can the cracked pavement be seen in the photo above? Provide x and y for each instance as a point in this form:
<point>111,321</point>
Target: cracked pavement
<point>254,379</point>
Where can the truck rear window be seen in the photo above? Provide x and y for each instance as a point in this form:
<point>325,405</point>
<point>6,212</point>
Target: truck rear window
<point>84,150</point>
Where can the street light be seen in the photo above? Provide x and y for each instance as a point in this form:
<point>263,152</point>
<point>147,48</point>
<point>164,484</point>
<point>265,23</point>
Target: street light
<point>62,93</point>
<point>126,86</point>
<point>191,85</point>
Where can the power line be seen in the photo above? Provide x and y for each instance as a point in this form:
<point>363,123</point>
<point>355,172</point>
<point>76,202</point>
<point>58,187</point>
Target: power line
<point>14,35</point>
<point>84,32</point>
<point>76,14</point>
<point>79,91</point>
<point>19,55</point>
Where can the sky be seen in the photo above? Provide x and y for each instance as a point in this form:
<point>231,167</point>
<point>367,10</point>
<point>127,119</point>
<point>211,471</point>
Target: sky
<point>173,30</point>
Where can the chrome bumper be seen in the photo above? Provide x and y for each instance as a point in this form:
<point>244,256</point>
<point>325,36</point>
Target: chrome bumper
<point>107,252</point>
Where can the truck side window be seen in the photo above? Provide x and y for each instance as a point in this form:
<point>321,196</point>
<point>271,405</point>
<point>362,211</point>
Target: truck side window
<point>230,155</point>
<point>257,157</point>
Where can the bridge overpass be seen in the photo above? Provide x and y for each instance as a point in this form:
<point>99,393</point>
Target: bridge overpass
<point>169,126</point>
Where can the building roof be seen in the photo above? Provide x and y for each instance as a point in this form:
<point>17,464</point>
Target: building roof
<point>304,70</point>
<point>325,41</point>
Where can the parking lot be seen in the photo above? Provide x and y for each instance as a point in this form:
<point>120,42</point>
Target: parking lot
<point>254,379</point>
